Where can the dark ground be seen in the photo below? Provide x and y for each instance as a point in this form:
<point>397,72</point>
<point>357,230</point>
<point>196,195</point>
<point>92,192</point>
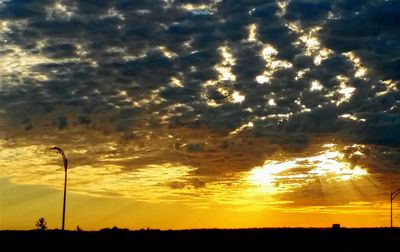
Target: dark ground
<point>274,239</point>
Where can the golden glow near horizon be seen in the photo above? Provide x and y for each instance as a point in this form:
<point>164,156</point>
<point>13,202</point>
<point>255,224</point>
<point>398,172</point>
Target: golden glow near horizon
<point>329,164</point>
<point>248,146</point>
<point>264,188</point>
<point>86,179</point>
<point>274,176</point>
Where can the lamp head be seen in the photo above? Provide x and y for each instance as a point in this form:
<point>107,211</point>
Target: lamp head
<point>55,148</point>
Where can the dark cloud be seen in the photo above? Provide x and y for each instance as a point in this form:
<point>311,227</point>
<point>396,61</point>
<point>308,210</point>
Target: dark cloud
<point>60,51</point>
<point>195,183</point>
<point>61,122</point>
<point>370,29</point>
<point>24,9</point>
<point>308,12</point>
<point>248,55</point>
<point>108,67</point>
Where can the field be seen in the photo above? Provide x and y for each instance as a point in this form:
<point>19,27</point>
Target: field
<point>308,239</point>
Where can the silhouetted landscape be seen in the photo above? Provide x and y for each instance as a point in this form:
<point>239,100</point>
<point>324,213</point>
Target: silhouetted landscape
<point>320,239</point>
<point>197,114</point>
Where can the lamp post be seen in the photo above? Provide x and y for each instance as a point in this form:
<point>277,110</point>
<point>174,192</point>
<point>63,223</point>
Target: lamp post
<point>65,162</point>
<point>393,195</point>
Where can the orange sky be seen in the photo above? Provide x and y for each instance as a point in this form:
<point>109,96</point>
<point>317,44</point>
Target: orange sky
<point>312,191</point>
<point>29,203</point>
<point>218,114</point>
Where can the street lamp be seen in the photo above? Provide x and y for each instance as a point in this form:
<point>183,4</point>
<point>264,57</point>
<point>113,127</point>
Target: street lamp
<point>393,195</point>
<point>65,162</point>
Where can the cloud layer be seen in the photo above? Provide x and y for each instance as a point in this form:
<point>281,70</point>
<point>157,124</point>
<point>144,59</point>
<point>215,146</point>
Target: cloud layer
<point>218,86</point>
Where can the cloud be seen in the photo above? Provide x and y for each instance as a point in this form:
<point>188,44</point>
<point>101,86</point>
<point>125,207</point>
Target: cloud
<point>307,12</point>
<point>159,79</point>
<point>370,30</point>
<point>24,9</point>
<point>60,51</point>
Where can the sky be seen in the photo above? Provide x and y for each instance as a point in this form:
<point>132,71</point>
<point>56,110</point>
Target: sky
<point>179,114</point>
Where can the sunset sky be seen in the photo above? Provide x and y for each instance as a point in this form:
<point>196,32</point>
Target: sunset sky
<point>180,114</point>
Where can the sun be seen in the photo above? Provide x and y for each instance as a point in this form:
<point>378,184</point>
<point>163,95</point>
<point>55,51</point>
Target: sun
<point>328,165</point>
<point>269,172</point>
